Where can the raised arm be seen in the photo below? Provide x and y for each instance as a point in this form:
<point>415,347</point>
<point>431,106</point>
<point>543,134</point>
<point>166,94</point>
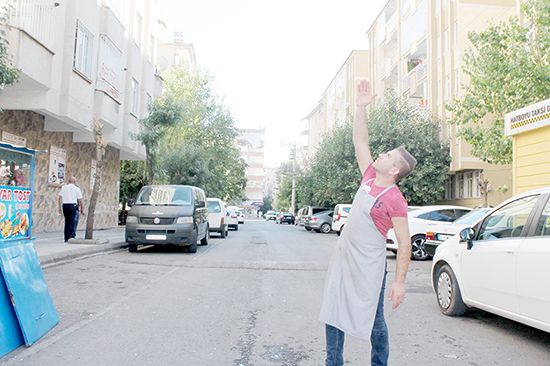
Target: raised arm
<point>360,131</point>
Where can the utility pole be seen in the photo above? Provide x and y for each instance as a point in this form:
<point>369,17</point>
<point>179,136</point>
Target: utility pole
<point>292,146</point>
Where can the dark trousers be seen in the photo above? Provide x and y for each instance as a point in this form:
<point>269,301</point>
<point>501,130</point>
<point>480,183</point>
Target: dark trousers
<point>379,338</point>
<point>69,212</point>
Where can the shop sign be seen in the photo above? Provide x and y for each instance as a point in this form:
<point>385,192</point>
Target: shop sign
<point>527,118</point>
<point>14,212</point>
<point>58,157</point>
<point>109,68</point>
<point>10,138</point>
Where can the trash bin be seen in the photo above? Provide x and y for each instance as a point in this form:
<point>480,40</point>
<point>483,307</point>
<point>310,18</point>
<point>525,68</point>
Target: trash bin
<point>26,308</point>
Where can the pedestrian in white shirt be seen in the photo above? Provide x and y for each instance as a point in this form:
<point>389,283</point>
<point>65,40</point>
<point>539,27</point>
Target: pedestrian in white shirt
<point>70,201</point>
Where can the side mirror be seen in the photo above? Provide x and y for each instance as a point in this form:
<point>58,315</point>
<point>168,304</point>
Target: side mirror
<point>201,204</point>
<point>130,202</point>
<point>467,236</point>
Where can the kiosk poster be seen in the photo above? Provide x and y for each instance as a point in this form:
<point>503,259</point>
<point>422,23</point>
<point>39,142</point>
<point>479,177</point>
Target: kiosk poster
<point>15,204</point>
<point>58,157</point>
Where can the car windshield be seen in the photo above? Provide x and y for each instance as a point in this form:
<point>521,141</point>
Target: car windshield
<point>472,216</point>
<point>214,207</point>
<point>165,196</point>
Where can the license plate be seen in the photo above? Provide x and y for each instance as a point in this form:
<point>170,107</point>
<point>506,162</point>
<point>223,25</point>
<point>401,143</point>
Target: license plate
<point>155,237</point>
<point>444,237</point>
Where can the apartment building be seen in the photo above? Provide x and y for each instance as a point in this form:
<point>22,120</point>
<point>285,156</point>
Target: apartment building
<point>416,47</point>
<point>336,106</point>
<point>251,146</point>
<point>79,61</point>
<point>176,54</point>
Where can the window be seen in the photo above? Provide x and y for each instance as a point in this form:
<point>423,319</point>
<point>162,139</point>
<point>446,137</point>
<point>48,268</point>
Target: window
<point>137,29</point>
<point>508,221</point>
<point>83,47</point>
<point>469,185</point>
<point>477,183</point>
<point>459,187</point>
<point>543,225</point>
<point>449,188</point>
<point>447,215</point>
<point>214,207</point>
<point>135,97</point>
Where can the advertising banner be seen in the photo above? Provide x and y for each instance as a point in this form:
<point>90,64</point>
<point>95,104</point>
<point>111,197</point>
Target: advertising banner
<point>58,156</point>
<point>15,209</point>
<point>527,118</point>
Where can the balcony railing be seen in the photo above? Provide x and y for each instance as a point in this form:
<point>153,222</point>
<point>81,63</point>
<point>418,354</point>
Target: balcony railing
<point>35,17</point>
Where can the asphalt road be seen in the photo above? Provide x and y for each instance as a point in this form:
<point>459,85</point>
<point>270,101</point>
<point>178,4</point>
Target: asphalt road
<point>250,299</point>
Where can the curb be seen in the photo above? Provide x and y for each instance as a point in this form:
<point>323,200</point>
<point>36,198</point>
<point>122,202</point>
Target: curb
<point>74,253</point>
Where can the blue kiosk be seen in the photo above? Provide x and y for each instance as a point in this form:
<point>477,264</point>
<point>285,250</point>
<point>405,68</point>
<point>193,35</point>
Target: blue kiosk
<point>26,308</point>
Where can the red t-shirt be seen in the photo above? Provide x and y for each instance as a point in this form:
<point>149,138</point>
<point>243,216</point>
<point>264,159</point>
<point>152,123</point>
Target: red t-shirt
<point>390,204</point>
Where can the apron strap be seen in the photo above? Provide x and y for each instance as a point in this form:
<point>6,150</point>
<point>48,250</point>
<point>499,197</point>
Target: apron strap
<point>384,191</point>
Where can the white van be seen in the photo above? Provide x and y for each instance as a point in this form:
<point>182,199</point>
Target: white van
<point>216,217</point>
<point>341,213</point>
<point>231,217</point>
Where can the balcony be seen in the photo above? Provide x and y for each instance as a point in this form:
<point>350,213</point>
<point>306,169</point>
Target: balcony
<point>35,17</point>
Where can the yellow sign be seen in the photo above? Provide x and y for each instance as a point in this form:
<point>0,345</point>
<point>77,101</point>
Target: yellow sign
<point>527,118</point>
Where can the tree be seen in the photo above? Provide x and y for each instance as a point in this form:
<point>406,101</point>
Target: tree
<point>133,175</point>
<point>266,206</point>
<point>8,73</point>
<point>100,148</point>
<point>200,147</point>
<point>163,113</point>
<point>509,67</point>
<point>334,176</point>
<point>282,201</point>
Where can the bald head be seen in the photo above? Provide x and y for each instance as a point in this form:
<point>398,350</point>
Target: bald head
<point>72,179</point>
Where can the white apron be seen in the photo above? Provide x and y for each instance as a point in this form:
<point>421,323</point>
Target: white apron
<point>356,270</point>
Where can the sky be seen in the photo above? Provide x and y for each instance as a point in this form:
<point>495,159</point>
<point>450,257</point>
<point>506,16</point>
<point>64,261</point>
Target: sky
<point>271,60</point>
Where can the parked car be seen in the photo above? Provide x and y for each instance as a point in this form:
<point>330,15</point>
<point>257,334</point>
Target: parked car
<point>168,214</point>
<point>270,215</point>
<point>419,218</point>
<point>500,263</point>
<point>240,217</point>
<point>320,222</point>
<point>216,217</point>
<point>286,217</point>
<point>232,218</point>
<point>307,211</point>
<point>438,233</point>
<point>341,212</point>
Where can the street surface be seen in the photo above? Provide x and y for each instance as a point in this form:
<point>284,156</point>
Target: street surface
<point>250,299</point>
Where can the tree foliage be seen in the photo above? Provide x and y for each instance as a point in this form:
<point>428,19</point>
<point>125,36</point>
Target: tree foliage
<point>509,67</point>
<point>8,73</point>
<point>133,174</point>
<point>333,176</point>
<point>200,149</point>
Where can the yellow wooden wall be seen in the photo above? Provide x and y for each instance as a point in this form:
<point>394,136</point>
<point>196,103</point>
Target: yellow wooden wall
<point>531,166</point>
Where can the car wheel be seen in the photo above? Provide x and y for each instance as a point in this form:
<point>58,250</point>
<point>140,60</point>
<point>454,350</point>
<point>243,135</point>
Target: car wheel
<point>418,249</point>
<point>222,233</point>
<point>132,248</point>
<point>339,232</point>
<point>308,228</point>
<point>204,241</point>
<point>448,293</point>
<point>325,228</point>
<point>193,247</point>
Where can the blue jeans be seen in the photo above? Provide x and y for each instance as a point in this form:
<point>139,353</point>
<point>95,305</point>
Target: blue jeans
<point>379,338</point>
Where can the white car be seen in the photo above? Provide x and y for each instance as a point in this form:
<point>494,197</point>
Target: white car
<point>216,217</point>
<point>231,218</point>
<point>438,233</point>
<point>500,264</point>
<point>419,218</point>
<point>240,217</point>
<point>270,215</point>
<point>341,213</point>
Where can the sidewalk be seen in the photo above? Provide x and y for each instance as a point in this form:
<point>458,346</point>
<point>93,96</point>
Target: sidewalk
<point>51,248</point>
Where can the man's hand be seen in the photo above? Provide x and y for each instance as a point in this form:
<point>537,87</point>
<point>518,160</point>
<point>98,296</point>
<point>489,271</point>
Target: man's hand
<point>364,95</point>
<point>397,294</point>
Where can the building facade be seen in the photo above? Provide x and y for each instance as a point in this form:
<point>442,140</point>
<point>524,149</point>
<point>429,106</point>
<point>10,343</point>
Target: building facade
<point>417,49</point>
<point>79,62</point>
<point>336,106</point>
<point>176,54</point>
<point>251,146</point>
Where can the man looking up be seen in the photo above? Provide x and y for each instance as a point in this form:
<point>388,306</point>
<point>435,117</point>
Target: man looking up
<point>353,301</point>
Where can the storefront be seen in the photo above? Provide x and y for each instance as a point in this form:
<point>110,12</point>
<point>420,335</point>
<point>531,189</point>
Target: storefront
<point>529,128</point>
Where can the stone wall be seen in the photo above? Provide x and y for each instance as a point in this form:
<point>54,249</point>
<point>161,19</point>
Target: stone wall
<point>46,217</point>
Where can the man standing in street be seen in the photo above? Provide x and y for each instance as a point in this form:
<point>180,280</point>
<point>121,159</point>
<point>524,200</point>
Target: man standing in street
<point>353,301</point>
<point>70,200</point>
